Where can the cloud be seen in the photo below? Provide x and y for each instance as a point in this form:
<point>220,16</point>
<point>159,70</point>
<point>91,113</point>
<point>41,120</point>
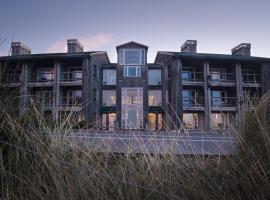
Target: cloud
<point>89,43</point>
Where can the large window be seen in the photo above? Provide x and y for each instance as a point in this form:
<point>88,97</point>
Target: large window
<point>131,56</point>
<point>155,98</point>
<point>132,71</point>
<point>154,77</point>
<point>109,76</point>
<point>132,96</point>
<point>190,120</point>
<point>108,97</point>
<point>132,108</point>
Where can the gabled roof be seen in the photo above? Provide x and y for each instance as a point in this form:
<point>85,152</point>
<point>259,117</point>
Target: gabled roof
<point>132,43</point>
<point>213,56</point>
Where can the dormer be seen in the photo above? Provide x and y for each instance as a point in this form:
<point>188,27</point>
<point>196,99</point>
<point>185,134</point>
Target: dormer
<point>132,53</point>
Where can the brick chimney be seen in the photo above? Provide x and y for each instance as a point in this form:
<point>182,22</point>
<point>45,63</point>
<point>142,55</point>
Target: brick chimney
<point>18,48</point>
<point>74,46</point>
<point>242,49</point>
<point>189,46</point>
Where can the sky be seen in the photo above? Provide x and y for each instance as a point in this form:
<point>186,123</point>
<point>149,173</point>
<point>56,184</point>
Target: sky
<point>163,25</point>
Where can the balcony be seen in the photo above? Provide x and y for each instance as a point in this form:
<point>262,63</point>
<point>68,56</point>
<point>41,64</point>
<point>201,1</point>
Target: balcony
<point>224,103</point>
<point>11,78</point>
<point>70,103</point>
<point>222,78</point>
<point>192,78</point>
<point>72,78</point>
<point>193,103</point>
<point>251,79</point>
<point>43,102</point>
<point>45,77</point>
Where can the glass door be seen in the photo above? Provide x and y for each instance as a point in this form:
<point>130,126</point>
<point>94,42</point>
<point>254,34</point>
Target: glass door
<point>132,108</point>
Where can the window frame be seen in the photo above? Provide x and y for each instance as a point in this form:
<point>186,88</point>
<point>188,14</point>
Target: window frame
<point>122,56</point>
<point>126,72</point>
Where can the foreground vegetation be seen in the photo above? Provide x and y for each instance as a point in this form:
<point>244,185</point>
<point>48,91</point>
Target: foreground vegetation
<point>36,162</point>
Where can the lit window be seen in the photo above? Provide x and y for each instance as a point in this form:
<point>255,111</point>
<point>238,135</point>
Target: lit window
<point>218,121</point>
<point>109,77</point>
<point>131,57</point>
<point>132,71</point>
<point>154,77</point>
<point>45,74</point>
<point>190,120</point>
<point>108,97</point>
<point>154,98</point>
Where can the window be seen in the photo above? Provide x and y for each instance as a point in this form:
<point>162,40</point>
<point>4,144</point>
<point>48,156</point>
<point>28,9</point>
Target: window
<point>218,74</point>
<point>154,98</point>
<point>132,96</point>
<point>152,121</point>
<point>219,121</point>
<point>131,57</point>
<point>108,97</point>
<point>132,71</point>
<point>250,76</point>
<point>132,108</point>
<point>75,73</point>
<point>44,98</point>
<point>190,120</point>
<point>189,98</point>
<point>188,74</point>
<point>154,77</point>
<point>109,77</point>
<point>74,97</point>
<point>219,98</point>
<point>44,74</point>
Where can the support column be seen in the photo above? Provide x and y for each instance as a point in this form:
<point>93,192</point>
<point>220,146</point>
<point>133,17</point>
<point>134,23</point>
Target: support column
<point>265,77</point>
<point>23,90</point>
<point>87,92</point>
<point>239,94</point>
<point>178,94</point>
<point>207,96</point>
<point>56,89</point>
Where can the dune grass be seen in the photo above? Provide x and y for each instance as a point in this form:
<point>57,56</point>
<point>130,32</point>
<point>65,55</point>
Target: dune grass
<point>37,162</point>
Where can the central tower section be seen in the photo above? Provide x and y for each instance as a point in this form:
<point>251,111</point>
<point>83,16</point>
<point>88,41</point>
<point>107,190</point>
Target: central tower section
<point>132,85</point>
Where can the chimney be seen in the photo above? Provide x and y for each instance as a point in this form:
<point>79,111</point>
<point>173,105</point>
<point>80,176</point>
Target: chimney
<point>189,46</point>
<point>242,49</point>
<point>18,48</point>
<point>74,46</point>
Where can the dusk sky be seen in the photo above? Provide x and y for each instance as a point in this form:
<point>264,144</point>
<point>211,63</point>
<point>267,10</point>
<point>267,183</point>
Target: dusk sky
<point>162,25</point>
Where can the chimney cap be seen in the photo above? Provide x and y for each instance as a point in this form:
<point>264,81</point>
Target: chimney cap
<point>22,45</point>
<point>74,42</point>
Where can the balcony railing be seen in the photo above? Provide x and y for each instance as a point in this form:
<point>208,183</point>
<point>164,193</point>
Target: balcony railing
<point>41,101</point>
<point>70,102</point>
<point>71,76</point>
<point>251,78</point>
<point>41,77</point>
<point>251,101</point>
<point>11,78</point>
<point>223,101</point>
<point>193,101</point>
<point>192,76</point>
<point>222,77</point>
